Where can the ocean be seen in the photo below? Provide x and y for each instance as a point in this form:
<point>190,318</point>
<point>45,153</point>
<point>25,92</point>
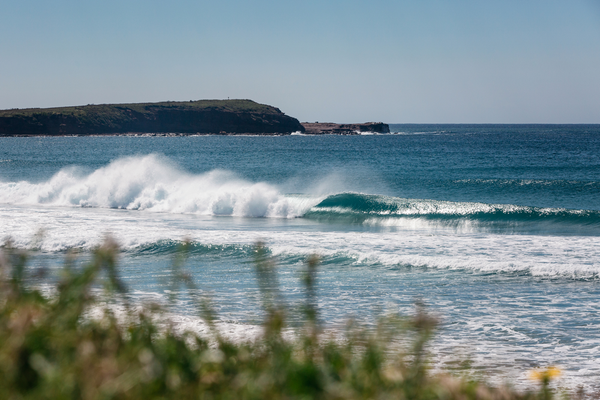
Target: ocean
<point>495,228</point>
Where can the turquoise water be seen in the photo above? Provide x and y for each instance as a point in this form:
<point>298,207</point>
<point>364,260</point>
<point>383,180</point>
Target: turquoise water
<point>495,227</point>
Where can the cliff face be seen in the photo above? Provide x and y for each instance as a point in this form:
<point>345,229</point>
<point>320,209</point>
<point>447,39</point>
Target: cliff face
<point>204,116</point>
<point>327,128</point>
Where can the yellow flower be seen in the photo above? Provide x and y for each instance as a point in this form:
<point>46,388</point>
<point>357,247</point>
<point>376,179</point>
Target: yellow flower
<point>545,374</point>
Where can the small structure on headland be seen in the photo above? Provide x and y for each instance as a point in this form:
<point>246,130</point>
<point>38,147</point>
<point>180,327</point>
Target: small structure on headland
<point>328,128</point>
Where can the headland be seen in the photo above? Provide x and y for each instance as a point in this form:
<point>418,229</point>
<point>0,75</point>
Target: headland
<point>170,118</point>
<point>220,117</point>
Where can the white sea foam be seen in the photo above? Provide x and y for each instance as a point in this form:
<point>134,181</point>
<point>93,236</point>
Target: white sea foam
<point>152,183</point>
<point>420,245</point>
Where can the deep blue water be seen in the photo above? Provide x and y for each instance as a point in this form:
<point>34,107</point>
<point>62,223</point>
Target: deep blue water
<point>535,165</point>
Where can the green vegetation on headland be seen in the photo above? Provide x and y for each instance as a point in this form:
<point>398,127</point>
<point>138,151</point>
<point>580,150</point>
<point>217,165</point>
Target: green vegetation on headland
<point>51,348</point>
<point>193,117</point>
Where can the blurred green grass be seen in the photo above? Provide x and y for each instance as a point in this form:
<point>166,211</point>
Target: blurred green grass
<point>50,348</point>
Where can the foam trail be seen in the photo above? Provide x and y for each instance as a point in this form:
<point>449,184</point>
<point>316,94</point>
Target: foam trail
<point>151,183</point>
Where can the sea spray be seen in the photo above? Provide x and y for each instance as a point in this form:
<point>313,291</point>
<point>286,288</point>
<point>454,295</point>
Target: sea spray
<point>154,184</point>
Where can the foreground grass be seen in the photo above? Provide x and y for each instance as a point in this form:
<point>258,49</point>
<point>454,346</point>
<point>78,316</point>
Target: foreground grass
<point>50,349</point>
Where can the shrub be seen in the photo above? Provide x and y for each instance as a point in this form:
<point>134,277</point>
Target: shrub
<point>50,348</point>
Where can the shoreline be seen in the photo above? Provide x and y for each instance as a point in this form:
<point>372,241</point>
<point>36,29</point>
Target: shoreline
<point>174,134</point>
<point>156,134</point>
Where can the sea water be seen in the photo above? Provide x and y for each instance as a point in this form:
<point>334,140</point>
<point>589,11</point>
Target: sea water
<point>495,228</point>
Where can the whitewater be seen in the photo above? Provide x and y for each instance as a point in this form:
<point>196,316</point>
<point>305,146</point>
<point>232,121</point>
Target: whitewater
<point>495,227</point>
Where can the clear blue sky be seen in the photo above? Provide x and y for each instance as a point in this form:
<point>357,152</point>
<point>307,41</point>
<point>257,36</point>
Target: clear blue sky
<point>327,60</point>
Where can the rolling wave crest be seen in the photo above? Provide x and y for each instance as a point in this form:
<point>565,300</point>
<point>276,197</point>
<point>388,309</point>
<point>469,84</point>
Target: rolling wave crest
<point>152,183</point>
<point>360,208</point>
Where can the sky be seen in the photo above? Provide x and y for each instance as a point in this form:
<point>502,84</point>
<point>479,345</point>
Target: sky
<point>396,61</point>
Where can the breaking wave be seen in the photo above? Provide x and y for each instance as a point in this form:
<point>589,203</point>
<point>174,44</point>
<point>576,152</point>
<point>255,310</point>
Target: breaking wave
<point>152,183</point>
<point>365,208</point>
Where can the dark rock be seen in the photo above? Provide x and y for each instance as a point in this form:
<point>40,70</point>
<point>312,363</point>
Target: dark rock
<point>328,128</point>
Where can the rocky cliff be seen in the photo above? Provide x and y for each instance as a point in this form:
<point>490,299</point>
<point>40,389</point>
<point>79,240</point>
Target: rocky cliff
<point>325,128</point>
<point>203,116</point>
